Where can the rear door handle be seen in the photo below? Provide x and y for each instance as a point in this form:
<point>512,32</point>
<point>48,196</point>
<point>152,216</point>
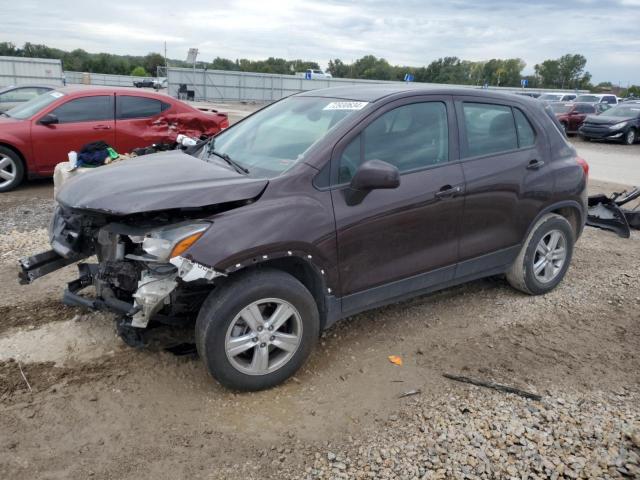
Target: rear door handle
<point>448,191</point>
<point>535,164</point>
<point>102,127</point>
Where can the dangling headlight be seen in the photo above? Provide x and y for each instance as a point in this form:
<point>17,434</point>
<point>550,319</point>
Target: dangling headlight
<point>167,242</point>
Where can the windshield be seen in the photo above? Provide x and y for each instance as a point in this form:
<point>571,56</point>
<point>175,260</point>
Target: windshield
<point>622,112</point>
<point>275,138</point>
<point>560,108</point>
<point>550,97</point>
<point>33,106</point>
<point>587,98</point>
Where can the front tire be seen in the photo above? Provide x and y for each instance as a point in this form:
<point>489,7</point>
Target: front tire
<point>545,256</point>
<point>630,137</point>
<point>11,169</point>
<point>257,330</point>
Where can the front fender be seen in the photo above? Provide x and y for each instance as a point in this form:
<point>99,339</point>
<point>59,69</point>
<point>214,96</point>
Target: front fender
<point>299,226</point>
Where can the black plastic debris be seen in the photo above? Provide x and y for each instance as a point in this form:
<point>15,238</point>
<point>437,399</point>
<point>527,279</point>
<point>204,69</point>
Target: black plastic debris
<point>607,212</point>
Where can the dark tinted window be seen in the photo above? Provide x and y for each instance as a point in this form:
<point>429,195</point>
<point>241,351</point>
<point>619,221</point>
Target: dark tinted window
<point>585,109</point>
<point>409,137</point>
<point>138,107</point>
<point>490,129</point>
<point>526,133</point>
<point>85,109</point>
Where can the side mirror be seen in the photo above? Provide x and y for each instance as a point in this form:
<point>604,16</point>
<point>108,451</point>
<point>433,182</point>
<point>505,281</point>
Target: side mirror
<point>371,175</point>
<point>48,119</point>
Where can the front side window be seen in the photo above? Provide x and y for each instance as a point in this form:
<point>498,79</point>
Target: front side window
<point>490,129</point>
<point>409,137</point>
<point>585,108</point>
<point>85,109</point>
<point>128,106</point>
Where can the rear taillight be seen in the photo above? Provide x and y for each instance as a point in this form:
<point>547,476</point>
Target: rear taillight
<point>585,166</point>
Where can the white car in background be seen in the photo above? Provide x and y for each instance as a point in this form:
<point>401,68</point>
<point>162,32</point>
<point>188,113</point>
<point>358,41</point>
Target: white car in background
<point>313,74</point>
<point>609,98</point>
<point>557,97</point>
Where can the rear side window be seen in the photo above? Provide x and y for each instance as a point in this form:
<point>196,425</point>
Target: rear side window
<point>490,129</point>
<point>128,106</point>
<point>85,109</point>
<point>526,133</point>
<point>409,137</point>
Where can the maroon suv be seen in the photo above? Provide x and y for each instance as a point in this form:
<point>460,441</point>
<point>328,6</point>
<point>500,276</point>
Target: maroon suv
<point>317,207</point>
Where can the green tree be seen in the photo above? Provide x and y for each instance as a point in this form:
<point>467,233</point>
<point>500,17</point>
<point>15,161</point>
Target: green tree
<point>139,72</point>
<point>338,68</point>
<point>152,61</point>
<point>567,71</point>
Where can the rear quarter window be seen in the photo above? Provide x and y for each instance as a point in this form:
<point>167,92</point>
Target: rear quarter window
<point>129,106</point>
<point>526,133</point>
<point>489,129</point>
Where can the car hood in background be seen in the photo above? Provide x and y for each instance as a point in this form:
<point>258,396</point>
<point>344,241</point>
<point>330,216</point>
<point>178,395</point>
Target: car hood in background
<point>160,181</point>
<point>606,120</point>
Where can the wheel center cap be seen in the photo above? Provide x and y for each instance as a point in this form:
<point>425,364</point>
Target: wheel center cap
<point>263,337</point>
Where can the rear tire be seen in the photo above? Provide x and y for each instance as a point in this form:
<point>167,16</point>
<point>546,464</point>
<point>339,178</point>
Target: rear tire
<point>237,326</point>
<point>11,169</point>
<point>542,264</point>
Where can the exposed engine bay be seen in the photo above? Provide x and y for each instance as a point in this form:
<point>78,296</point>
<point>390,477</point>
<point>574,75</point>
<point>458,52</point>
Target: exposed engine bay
<point>139,272</point>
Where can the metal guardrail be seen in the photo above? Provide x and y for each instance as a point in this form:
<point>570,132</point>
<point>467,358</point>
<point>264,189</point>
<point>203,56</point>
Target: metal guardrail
<point>222,85</point>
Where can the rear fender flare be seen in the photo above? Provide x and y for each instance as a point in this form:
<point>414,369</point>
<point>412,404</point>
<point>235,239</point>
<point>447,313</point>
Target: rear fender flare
<point>582,215</point>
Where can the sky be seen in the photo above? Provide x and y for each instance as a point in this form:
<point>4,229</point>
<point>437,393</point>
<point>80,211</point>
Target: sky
<point>407,32</point>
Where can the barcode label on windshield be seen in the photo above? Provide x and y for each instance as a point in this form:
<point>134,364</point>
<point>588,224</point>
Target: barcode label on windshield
<point>345,106</point>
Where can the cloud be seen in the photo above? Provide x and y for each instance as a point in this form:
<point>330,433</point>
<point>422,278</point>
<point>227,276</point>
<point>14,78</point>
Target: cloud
<point>411,32</point>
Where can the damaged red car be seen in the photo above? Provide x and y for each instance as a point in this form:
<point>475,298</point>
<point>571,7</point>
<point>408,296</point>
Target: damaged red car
<point>38,134</point>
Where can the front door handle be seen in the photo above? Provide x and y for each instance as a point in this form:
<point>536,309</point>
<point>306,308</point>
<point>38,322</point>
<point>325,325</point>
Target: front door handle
<point>448,191</point>
<point>102,127</point>
<point>535,164</point>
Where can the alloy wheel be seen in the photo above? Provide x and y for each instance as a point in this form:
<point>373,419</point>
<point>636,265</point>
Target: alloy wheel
<point>263,336</point>
<point>549,256</point>
<point>631,137</point>
<point>8,170</point>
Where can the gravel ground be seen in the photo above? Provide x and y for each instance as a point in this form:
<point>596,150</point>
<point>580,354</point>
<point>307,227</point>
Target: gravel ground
<point>96,409</point>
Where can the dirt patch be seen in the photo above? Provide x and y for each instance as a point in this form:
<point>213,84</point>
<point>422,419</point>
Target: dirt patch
<point>101,410</point>
<point>24,382</point>
<point>35,314</point>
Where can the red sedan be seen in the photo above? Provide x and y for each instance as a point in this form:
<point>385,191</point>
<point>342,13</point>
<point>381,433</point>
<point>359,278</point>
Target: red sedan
<point>38,134</point>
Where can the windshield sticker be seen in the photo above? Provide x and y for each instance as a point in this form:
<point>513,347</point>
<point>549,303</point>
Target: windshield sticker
<point>56,94</point>
<point>346,106</point>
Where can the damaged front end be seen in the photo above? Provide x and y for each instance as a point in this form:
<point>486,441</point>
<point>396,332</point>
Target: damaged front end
<point>140,272</point>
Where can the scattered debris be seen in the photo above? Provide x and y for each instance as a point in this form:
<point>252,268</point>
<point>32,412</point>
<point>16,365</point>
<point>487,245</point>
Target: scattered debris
<point>495,386</point>
<point>395,359</point>
<point>607,212</point>
<point>409,393</point>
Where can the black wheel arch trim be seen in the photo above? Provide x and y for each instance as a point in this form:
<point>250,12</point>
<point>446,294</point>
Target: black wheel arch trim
<point>556,206</point>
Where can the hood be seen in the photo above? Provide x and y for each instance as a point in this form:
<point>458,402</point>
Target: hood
<point>160,181</point>
<point>9,121</point>
<point>606,120</point>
